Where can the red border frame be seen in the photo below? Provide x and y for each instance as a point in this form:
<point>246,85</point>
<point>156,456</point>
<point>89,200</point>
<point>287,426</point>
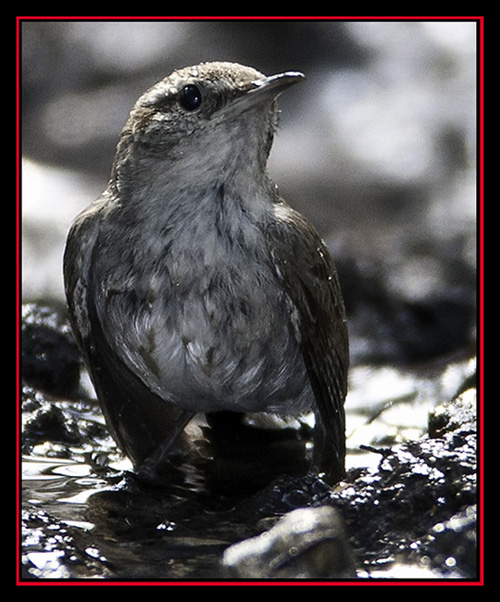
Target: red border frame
<point>481,420</point>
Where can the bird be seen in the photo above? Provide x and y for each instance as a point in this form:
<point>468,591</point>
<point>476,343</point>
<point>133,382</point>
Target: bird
<point>193,287</point>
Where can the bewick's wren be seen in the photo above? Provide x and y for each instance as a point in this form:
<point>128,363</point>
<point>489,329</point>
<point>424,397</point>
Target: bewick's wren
<point>192,287</point>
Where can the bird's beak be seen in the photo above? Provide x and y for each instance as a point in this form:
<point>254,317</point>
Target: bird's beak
<point>267,89</point>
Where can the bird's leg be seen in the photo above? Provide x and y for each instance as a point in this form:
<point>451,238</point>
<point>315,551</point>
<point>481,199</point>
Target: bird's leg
<point>149,468</point>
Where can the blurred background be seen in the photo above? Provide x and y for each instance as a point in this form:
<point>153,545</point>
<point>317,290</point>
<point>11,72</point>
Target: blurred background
<point>377,147</point>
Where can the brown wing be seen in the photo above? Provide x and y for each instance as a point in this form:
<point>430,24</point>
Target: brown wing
<point>143,423</point>
<point>310,279</point>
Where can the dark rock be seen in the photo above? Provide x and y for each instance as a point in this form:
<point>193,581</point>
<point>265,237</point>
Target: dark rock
<point>391,512</point>
<point>62,425</point>
<point>458,414</point>
<point>50,359</point>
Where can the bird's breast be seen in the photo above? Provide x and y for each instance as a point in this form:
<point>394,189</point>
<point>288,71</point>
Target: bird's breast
<point>227,338</point>
<point>198,311</point>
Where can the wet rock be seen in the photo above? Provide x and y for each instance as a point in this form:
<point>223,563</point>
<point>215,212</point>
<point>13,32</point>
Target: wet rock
<point>48,423</point>
<point>453,543</point>
<point>410,309</point>
<point>308,543</point>
<point>63,428</point>
<point>403,510</point>
<point>283,495</point>
<point>458,414</point>
<point>50,358</point>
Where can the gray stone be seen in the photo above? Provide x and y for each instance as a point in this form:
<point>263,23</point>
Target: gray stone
<point>307,543</point>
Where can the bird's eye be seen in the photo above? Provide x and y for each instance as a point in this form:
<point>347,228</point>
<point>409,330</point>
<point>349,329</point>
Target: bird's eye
<point>190,97</point>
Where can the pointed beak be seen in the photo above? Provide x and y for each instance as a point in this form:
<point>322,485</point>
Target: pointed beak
<point>275,84</point>
<point>267,89</point>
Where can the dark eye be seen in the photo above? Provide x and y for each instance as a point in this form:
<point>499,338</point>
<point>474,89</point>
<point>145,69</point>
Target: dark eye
<point>190,97</point>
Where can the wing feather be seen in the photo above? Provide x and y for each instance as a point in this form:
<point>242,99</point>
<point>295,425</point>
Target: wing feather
<point>310,279</point>
<point>142,421</point>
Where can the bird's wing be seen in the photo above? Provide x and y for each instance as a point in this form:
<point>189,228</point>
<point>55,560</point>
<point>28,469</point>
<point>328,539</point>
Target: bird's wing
<point>310,279</point>
<point>142,421</point>
<point>79,243</point>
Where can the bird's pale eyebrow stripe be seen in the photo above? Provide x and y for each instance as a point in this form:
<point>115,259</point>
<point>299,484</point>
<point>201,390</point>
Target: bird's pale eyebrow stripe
<point>160,95</point>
